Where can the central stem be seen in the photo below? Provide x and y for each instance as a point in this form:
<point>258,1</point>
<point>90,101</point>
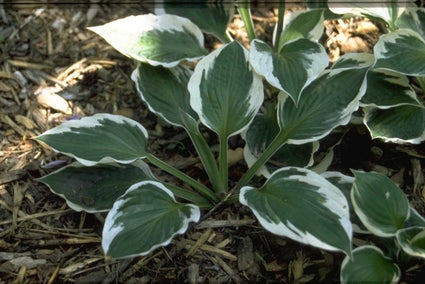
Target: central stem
<point>245,14</point>
<point>279,28</point>
<point>276,144</point>
<point>205,191</point>
<point>223,164</point>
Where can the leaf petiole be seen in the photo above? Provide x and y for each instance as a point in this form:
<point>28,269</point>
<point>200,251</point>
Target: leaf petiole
<point>189,195</point>
<point>202,189</point>
<point>245,13</point>
<point>279,28</point>
<point>274,146</point>
<point>223,164</point>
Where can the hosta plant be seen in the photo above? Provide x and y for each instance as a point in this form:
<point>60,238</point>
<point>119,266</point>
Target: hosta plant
<point>393,112</point>
<point>379,208</point>
<point>224,92</point>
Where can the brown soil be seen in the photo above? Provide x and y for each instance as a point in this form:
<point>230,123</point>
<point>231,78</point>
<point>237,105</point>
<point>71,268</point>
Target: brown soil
<point>52,69</point>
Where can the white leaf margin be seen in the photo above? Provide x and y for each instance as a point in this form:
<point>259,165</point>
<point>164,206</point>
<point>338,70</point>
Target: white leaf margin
<point>400,80</point>
<point>379,49</point>
<point>368,7</point>
<point>204,67</point>
<point>262,63</point>
<point>108,235</point>
<point>346,260</point>
<point>366,220</point>
<point>368,112</point>
<point>136,26</point>
<point>344,117</point>
<point>138,163</point>
<point>335,200</point>
<point>176,71</point>
<point>407,248</point>
<point>90,122</point>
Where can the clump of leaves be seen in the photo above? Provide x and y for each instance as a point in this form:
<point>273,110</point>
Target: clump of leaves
<point>225,92</point>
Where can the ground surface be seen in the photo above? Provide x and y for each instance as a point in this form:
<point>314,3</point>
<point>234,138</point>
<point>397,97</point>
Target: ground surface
<point>52,69</point>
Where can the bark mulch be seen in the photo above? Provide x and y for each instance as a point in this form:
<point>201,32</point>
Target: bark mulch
<point>53,69</point>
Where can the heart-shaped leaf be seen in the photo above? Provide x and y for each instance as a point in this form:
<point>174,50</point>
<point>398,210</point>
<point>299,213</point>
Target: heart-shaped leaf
<point>210,17</point>
<point>300,204</point>
<point>164,90</point>
<point>158,40</point>
<point>303,24</point>
<point>387,89</point>
<point>345,183</point>
<point>380,204</point>
<point>297,63</point>
<point>324,104</point>
<point>402,124</point>
<point>413,18</point>
<point>412,241</point>
<point>402,51</point>
<point>144,218</point>
<point>224,91</point>
<point>101,138</point>
<point>387,10</point>
<point>369,265</point>
<point>95,189</point>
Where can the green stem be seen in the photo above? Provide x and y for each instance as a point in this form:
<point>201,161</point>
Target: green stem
<point>276,144</point>
<point>245,13</point>
<point>202,189</point>
<point>421,83</point>
<point>281,15</point>
<point>189,195</point>
<point>226,38</point>
<point>207,157</point>
<point>223,164</point>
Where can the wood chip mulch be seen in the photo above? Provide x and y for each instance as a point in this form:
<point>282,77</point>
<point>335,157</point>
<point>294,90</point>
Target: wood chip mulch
<point>53,69</point>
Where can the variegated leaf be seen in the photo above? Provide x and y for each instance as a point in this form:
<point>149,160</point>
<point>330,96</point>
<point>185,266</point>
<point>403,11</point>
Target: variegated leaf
<point>380,204</point>
<point>415,219</point>
<point>164,90</point>
<point>386,10</point>
<point>297,63</point>
<point>158,40</point>
<point>412,241</point>
<point>369,265</point>
<point>144,218</point>
<point>101,138</point>
<point>327,102</point>
<point>386,89</point>
<point>354,60</point>
<point>402,51</point>
<point>302,205</point>
<point>95,189</point>
<point>224,91</point>
<point>210,16</point>
<point>413,19</point>
<point>303,24</point>
<point>402,124</point>
<point>345,183</point>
